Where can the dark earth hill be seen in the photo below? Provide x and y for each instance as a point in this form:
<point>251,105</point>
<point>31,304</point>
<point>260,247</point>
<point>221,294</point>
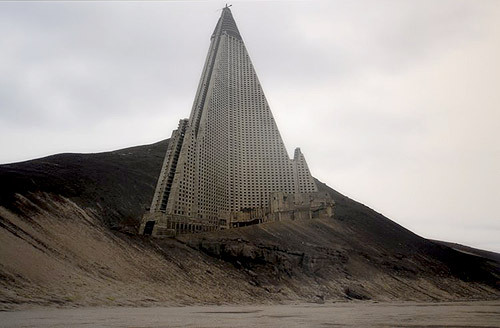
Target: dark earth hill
<point>58,248</point>
<point>119,183</point>
<point>495,257</point>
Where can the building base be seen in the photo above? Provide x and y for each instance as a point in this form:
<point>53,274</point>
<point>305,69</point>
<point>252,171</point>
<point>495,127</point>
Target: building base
<point>282,207</point>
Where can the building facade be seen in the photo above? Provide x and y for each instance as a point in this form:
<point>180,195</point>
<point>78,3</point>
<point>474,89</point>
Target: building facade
<point>228,157</point>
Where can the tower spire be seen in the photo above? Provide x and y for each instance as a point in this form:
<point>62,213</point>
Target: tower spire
<point>226,24</point>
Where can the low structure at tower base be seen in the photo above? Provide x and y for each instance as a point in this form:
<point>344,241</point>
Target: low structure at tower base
<point>282,207</point>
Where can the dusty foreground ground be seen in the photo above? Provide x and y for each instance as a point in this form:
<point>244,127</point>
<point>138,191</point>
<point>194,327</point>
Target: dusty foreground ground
<point>352,314</point>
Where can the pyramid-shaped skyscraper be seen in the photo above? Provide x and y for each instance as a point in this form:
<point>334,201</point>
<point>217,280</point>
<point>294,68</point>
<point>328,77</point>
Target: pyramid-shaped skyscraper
<point>228,157</point>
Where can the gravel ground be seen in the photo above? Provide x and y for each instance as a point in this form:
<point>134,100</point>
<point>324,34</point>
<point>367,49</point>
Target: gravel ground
<point>352,314</point>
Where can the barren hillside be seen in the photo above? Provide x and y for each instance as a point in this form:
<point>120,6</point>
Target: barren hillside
<point>57,247</point>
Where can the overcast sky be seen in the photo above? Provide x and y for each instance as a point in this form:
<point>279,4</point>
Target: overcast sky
<point>393,103</point>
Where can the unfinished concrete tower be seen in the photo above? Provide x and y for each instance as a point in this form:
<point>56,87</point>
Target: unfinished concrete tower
<point>229,155</point>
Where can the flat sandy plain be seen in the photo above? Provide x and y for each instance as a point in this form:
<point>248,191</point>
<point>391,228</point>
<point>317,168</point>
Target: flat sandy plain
<point>350,314</point>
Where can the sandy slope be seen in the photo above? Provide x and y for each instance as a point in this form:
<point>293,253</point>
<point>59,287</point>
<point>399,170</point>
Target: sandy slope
<point>58,253</point>
<point>61,254</point>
